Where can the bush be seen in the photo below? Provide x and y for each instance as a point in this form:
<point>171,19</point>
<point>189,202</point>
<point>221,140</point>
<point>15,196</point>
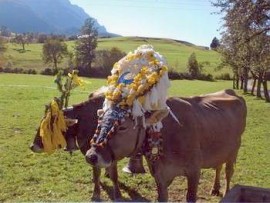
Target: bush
<point>206,77</point>
<point>173,74</point>
<point>104,61</point>
<point>8,70</point>
<point>185,76</point>
<point>48,71</point>
<point>193,66</point>
<point>31,71</point>
<point>223,76</point>
<point>84,72</point>
<point>17,70</point>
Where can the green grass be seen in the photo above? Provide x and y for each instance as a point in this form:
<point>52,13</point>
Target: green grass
<point>31,58</point>
<point>25,176</point>
<point>176,53</point>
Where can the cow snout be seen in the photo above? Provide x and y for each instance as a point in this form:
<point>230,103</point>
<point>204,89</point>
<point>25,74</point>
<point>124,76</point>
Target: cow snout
<point>35,148</point>
<point>31,147</point>
<point>91,159</point>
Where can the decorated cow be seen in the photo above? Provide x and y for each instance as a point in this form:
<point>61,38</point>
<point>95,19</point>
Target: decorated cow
<point>178,136</point>
<point>75,125</point>
<point>138,85</point>
<point>80,124</point>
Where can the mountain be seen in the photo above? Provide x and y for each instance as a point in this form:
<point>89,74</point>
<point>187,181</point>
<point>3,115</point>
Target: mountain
<point>47,16</point>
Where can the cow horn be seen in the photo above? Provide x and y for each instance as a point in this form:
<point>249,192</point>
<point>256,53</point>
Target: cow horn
<point>70,122</point>
<point>157,116</point>
<point>100,112</point>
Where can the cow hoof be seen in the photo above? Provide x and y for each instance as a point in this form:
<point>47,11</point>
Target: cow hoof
<point>128,169</point>
<point>215,192</point>
<point>95,199</point>
<point>119,199</point>
<point>117,196</point>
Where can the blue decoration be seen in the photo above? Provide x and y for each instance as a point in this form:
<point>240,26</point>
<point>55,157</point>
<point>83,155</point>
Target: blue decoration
<point>108,120</point>
<point>123,80</point>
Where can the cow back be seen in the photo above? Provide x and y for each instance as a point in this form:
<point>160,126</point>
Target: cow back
<point>210,128</point>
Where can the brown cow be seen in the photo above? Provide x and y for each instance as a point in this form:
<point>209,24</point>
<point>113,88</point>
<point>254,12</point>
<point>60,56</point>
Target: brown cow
<point>208,135</point>
<point>81,132</point>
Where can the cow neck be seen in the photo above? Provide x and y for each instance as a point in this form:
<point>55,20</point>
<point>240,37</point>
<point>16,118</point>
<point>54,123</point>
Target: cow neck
<point>136,147</point>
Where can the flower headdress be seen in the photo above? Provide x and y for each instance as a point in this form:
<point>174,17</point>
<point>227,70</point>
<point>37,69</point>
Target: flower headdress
<point>139,82</point>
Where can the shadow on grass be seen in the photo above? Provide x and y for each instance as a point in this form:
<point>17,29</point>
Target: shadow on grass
<point>134,195</point>
<point>21,50</point>
<point>262,98</point>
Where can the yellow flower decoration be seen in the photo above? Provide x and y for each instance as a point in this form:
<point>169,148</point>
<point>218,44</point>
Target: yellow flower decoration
<point>52,127</point>
<point>146,69</point>
<point>75,79</point>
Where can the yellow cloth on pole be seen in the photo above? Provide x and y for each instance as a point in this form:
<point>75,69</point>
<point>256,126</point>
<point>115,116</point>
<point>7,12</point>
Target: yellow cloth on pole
<point>52,128</point>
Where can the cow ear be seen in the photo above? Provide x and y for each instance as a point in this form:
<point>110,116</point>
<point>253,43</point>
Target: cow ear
<point>157,116</point>
<point>100,112</point>
<point>70,122</point>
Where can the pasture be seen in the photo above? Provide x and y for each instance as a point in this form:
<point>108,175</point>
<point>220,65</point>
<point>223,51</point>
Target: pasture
<point>25,176</point>
<point>176,53</point>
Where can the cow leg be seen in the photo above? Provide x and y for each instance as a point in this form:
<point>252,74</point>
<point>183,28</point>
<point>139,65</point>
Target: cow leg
<point>229,169</point>
<point>216,187</point>
<point>193,182</point>
<point>162,189</point>
<point>113,174</point>
<point>163,180</point>
<point>96,179</point>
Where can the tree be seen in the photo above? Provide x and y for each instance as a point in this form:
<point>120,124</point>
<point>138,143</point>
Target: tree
<point>234,39</point>
<point>193,66</point>
<point>245,39</point>
<point>105,59</point>
<point>215,43</point>
<point>2,45</point>
<point>260,63</point>
<point>2,50</point>
<point>22,39</point>
<point>86,44</point>
<point>5,32</point>
<point>41,38</point>
<point>54,51</point>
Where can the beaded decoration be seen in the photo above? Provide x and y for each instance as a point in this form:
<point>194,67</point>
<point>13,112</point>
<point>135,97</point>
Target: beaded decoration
<point>153,148</point>
<point>108,124</point>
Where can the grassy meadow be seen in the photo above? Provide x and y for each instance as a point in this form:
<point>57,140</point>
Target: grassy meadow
<point>176,53</point>
<point>25,176</point>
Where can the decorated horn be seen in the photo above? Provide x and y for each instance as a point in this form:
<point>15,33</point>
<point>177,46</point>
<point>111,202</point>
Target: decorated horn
<point>100,112</point>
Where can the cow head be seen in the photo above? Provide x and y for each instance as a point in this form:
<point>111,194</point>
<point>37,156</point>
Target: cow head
<point>77,133</point>
<point>37,145</point>
<point>118,136</point>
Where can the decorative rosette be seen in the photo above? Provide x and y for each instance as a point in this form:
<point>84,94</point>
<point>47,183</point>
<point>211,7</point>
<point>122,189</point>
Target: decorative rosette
<point>139,82</point>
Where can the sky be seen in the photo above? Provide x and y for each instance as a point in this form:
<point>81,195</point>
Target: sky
<point>187,20</point>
